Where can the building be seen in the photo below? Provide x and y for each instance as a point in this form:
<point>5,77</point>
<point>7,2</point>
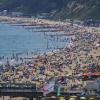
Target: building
<point>16,14</point>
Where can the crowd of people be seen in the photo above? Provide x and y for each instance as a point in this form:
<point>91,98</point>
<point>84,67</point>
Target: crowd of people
<point>66,65</point>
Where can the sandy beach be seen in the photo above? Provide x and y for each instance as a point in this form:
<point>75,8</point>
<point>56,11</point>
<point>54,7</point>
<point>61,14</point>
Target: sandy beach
<point>74,52</point>
<point>73,61</point>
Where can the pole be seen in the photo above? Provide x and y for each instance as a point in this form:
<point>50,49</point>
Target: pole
<point>10,97</point>
<point>3,98</point>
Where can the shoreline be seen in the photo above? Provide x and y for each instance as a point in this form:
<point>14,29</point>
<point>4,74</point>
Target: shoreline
<point>32,21</point>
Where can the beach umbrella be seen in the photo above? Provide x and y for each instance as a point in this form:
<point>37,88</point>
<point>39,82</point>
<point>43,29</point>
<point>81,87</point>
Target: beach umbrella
<point>83,98</point>
<point>71,98</point>
<point>91,98</point>
<point>74,96</point>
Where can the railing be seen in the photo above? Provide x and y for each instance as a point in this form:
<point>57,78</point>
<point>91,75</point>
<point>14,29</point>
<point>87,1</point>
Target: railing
<point>17,86</point>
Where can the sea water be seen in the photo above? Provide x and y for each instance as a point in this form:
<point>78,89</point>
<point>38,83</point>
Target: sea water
<point>17,39</point>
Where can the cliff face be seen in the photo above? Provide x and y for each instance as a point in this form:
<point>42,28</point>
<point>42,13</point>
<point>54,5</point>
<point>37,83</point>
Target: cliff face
<point>81,9</point>
<point>64,8</point>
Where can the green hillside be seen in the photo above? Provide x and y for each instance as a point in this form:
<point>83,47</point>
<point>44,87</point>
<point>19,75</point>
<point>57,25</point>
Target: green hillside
<point>78,9</point>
